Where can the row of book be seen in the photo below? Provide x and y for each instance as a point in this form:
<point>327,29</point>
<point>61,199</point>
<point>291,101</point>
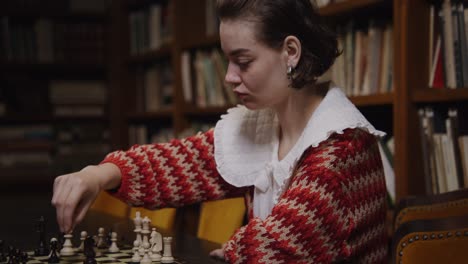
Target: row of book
<point>78,98</point>
<point>150,28</point>
<point>46,41</point>
<point>154,87</point>
<point>444,140</point>
<point>203,75</point>
<point>143,134</point>
<point>26,145</point>
<point>211,18</point>
<point>56,5</point>
<point>448,44</point>
<point>366,65</point>
<point>59,145</point>
<point>387,152</point>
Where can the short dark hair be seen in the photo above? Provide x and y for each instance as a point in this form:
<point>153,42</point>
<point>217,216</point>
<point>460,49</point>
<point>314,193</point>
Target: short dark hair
<point>277,19</point>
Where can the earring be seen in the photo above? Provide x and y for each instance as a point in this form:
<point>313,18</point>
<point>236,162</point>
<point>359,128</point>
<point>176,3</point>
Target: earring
<point>290,72</point>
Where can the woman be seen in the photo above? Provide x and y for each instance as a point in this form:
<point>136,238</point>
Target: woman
<point>304,157</point>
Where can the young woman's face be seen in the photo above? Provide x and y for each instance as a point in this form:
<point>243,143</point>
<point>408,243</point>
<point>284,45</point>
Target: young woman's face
<point>256,72</point>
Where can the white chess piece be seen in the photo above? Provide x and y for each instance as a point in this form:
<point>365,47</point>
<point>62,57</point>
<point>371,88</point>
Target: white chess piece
<point>113,247</point>
<point>167,255</point>
<point>146,245</point>
<point>136,255</point>
<point>101,243</point>
<point>83,236</point>
<point>137,230</point>
<point>67,248</point>
<point>156,245</point>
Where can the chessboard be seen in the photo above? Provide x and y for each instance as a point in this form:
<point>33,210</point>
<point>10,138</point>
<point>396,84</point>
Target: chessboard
<point>124,256</point>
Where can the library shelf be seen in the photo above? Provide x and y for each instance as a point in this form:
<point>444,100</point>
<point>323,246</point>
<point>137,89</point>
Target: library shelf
<point>375,99</point>
<point>431,95</point>
<point>340,8</point>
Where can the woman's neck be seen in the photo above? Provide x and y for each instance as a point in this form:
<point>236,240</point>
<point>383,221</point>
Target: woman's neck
<point>293,116</point>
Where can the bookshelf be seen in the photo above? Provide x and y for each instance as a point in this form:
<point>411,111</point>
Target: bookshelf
<point>395,112</point>
<point>42,43</point>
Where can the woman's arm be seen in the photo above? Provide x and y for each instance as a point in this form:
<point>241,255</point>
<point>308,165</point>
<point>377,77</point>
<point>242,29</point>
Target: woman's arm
<point>170,174</point>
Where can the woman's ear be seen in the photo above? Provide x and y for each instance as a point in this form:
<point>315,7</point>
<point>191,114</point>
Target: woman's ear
<point>292,50</point>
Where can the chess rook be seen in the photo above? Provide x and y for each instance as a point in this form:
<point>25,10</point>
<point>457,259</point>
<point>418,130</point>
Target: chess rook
<point>167,255</point>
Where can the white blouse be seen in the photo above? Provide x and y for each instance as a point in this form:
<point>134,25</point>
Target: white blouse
<point>246,145</point>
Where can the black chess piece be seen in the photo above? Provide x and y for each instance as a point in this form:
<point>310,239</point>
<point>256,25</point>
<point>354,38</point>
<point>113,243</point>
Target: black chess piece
<point>54,258</point>
<point>11,255</point>
<point>89,251</point>
<point>108,238</point>
<point>41,250</point>
<point>3,257</point>
<point>24,257</point>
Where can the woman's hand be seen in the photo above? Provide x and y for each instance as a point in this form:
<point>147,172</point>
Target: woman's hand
<point>74,193</point>
<point>218,253</point>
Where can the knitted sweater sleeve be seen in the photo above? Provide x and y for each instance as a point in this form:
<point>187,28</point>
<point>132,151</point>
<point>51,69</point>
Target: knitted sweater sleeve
<point>172,174</point>
<point>315,219</point>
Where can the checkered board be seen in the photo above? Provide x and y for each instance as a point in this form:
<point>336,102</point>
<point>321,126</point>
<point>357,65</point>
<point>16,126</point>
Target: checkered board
<point>124,256</point>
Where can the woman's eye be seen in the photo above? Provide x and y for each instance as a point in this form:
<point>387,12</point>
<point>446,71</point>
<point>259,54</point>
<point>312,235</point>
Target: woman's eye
<point>243,64</point>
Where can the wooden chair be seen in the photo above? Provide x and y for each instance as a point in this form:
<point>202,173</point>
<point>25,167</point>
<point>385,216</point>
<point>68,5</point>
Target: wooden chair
<point>160,218</point>
<point>220,219</point>
<point>108,204</point>
<point>443,240</point>
<point>432,207</point>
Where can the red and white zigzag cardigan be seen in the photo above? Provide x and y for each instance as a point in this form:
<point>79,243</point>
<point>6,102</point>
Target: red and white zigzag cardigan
<point>333,210</point>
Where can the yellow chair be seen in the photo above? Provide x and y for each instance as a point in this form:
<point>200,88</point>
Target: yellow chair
<point>160,218</point>
<point>108,204</point>
<point>443,205</point>
<point>433,241</point>
<point>220,219</point>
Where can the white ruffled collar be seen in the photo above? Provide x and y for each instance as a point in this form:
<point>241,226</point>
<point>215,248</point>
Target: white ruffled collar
<point>245,140</point>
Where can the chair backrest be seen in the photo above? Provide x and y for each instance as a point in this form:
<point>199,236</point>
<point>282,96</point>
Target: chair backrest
<point>160,218</point>
<point>220,219</point>
<point>443,240</point>
<point>432,207</point>
<point>108,204</point>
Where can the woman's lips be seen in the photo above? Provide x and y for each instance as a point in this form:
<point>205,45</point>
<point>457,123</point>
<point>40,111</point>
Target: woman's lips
<point>240,95</point>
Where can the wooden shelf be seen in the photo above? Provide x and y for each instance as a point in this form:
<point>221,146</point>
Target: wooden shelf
<point>45,118</point>
<point>348,6</point>
<point>26,145</point>
<point>164,51</point>
<point>370,100</point>
<point>146,116</point>
<point>53,68</point>
<point>206,111</point>
<point>430,95</point>
<point>56,15</point>
<point>23,119</point>
<point>208,41</point>
<point>136,4</point>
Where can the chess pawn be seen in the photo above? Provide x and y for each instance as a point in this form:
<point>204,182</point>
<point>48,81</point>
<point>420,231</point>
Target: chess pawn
<point>54,256</point>
<point>136,255</point>
<point>167,255</point>
<point>83,236</point>
<point>67,249</point>
<point>101,243</point>
<point>89,251</point>
<point>113,247</point>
